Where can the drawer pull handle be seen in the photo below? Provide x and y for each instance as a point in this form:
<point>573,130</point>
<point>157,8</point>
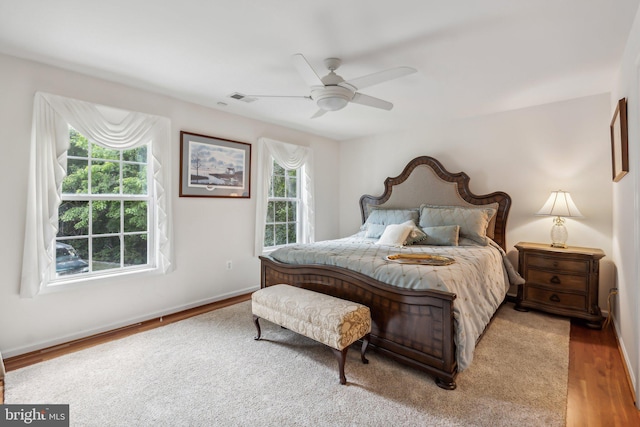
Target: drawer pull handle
<point>555,280</point>
<point>554,298</point>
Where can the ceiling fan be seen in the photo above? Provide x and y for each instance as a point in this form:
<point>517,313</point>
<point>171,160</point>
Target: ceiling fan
<point>332,92</point>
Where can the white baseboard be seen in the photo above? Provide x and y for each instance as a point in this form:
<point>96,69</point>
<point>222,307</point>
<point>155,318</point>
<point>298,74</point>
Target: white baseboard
<point>625,359</point>
<point>121,324</point>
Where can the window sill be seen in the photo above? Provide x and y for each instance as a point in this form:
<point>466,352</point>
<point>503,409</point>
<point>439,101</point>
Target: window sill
<point>61,285</point>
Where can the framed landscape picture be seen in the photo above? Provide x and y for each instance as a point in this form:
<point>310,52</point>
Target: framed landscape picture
<point>214,167</point>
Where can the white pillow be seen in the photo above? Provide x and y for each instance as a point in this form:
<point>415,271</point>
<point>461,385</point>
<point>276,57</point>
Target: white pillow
<point>395,235</point>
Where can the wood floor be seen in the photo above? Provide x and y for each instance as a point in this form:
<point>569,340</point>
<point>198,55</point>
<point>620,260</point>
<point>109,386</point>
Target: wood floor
<point>599,393</point>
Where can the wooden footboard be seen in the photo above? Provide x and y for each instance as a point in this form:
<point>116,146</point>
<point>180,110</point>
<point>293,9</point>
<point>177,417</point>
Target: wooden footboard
<point>412,327</point>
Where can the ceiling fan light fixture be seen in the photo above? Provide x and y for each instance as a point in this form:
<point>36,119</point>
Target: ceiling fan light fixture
<point>331,98</point>
<point>333,103</point>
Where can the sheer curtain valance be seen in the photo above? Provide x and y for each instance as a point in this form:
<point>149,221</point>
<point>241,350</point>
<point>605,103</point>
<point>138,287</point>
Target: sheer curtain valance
<point>52,116</point>
<point>289,156</point>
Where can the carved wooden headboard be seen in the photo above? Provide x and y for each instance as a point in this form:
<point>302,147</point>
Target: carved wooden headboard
<point>425,180</point>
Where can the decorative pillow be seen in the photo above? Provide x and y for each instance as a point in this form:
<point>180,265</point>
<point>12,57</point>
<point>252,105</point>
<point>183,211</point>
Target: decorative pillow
<point>442,235</point>
<point>473,222</point>
<point>374,231</point>
<point>379,218</point>
<point>395,235</point>
<point>416,235</point>
<point>491,228</point>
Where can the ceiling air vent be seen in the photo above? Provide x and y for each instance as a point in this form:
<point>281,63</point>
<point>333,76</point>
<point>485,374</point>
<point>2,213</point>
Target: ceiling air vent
<point>241,97</point>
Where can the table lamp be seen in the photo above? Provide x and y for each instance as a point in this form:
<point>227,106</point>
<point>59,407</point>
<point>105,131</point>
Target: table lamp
<point>560,205</point>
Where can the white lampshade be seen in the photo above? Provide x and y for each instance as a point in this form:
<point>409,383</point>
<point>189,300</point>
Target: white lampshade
<point>560,205</point>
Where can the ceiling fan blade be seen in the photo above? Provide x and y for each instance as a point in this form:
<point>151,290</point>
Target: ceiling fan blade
<point>370,101</point>
<point>306,71</point>
<point>319,113</point>
<point>379,77</point>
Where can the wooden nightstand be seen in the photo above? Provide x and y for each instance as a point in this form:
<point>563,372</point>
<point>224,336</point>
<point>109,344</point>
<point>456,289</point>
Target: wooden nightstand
<point>560,281</point>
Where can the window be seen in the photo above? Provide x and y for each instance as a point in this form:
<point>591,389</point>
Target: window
<point>99,194</point>
<point>285,201</point>
<point>104,216</point>
<point>283,207</point>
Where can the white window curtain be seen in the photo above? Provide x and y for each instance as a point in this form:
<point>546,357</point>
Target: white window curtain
<point>289,156</point>
<point>48,164</point>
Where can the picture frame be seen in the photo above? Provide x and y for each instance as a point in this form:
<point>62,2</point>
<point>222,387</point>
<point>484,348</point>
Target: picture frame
<point>619,142</point>
<point>214,167</point>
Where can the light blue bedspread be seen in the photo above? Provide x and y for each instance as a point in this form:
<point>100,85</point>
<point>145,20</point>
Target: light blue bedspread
<point>480,277</point>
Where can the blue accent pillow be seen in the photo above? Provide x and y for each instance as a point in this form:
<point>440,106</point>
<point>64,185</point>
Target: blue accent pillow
<point>379,218</point>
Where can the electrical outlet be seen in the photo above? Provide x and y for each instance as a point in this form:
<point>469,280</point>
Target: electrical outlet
<point>229,265</point>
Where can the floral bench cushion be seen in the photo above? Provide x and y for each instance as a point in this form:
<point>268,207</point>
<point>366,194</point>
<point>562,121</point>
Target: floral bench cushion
<point>332,321</point>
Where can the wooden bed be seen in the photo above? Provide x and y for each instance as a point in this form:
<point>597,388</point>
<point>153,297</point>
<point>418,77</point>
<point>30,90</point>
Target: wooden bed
<point>413,327</point>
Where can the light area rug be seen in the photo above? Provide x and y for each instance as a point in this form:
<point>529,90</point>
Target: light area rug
<point>209,371</point>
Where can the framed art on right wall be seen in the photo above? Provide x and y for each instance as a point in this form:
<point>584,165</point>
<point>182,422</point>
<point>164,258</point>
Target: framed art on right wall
<point>619,141</point>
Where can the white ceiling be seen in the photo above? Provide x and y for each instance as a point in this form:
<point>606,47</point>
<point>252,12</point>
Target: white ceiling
<point>473,57</point>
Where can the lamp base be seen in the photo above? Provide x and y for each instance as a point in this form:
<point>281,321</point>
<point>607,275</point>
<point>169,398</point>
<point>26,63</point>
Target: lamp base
<point>559,233</point>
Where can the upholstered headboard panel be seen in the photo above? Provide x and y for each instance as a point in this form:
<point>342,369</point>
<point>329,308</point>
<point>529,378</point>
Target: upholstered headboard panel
<point>425,180</point>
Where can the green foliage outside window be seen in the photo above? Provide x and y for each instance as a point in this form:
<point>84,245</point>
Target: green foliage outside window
<point>282,207</point>
<point>115,209</point>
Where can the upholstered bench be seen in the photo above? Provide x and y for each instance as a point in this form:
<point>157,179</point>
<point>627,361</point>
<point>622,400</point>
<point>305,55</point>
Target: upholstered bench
<point>334,322</point>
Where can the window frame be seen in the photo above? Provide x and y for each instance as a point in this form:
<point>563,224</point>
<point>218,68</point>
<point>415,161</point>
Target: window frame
<point>56,281</point>
<point>271,198</point>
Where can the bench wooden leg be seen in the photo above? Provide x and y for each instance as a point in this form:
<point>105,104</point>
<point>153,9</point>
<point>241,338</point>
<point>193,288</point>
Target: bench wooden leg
<point>342,357</point>
<point>363,349</point>
<point>255,321</point>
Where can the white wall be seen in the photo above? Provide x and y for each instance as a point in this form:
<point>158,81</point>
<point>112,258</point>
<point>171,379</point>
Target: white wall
<point>526,153</point>
<point>626,213</point>
<point>207,231</point>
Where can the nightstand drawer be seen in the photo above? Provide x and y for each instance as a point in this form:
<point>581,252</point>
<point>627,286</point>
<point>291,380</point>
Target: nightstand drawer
<point>563,281</point>
<point>558,299</point>
<point>555,263</point>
